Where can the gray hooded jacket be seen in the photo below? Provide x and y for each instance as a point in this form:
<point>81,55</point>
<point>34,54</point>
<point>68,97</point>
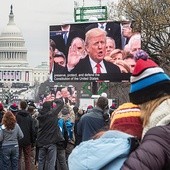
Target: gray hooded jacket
<point>10,137</point>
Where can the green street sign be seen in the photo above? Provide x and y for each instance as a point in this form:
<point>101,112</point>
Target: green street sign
<point>84,13</point>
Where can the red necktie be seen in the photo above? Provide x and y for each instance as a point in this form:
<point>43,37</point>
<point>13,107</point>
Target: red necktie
<point>98,70</point>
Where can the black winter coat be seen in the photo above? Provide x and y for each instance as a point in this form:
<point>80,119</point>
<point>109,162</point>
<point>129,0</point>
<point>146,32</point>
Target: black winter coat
<point>48,130</point>
<point>153,153</point>
<point>26,124</point>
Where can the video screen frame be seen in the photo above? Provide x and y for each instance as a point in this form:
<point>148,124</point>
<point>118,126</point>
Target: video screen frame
<point>60,73</point>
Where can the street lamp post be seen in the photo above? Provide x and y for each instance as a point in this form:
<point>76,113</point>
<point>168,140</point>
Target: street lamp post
<point>6,93</point>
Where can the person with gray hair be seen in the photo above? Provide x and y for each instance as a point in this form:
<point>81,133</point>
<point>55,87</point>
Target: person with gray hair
<point>110,45</point>
<point>134,44</point>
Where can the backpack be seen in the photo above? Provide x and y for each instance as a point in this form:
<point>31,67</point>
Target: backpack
<point>63,129</point>
<point>61,125</point>
<point>69,126</point>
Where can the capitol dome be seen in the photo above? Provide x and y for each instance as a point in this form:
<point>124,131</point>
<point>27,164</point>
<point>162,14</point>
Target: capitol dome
<point>12,45</point>
<point>11,30</point>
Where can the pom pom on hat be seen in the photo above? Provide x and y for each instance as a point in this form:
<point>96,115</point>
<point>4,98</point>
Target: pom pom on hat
<point>126,118</point>
<point>141,55</point>
<point>148,81</point>
<point>104,94</point>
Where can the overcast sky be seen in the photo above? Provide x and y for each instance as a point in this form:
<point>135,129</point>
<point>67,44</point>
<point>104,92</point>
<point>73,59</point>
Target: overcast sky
<point>33,17</point>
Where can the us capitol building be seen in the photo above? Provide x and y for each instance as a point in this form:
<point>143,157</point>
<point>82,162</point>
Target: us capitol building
<point>15,71</point>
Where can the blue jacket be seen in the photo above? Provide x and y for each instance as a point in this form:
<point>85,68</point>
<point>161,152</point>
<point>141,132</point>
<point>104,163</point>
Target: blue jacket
<point>107,152</point>
<point>62,144</point>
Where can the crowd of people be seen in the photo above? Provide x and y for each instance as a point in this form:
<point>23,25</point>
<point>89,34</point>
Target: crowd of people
<point>138,133</point>
<point>60,135</point>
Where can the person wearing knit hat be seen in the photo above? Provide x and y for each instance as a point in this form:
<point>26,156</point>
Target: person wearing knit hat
<point>126,118</point>
<point>150,89</point>
<point>148,81</point>
<point>13,108</point>
<point>89,108</point>
<point>109,149</point>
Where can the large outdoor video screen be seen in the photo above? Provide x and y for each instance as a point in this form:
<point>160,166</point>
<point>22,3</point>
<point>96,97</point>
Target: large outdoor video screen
<point>88,52</point>
<point>67,93</point>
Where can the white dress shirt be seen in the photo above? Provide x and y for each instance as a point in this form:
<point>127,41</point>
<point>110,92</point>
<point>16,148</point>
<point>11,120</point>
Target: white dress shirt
<point>94,68</point>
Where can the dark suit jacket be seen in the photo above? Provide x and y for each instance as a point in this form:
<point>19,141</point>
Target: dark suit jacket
<point>84,66</point>
<point>113,30</point>
<point>58,69</point>
<point>58,39</point>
